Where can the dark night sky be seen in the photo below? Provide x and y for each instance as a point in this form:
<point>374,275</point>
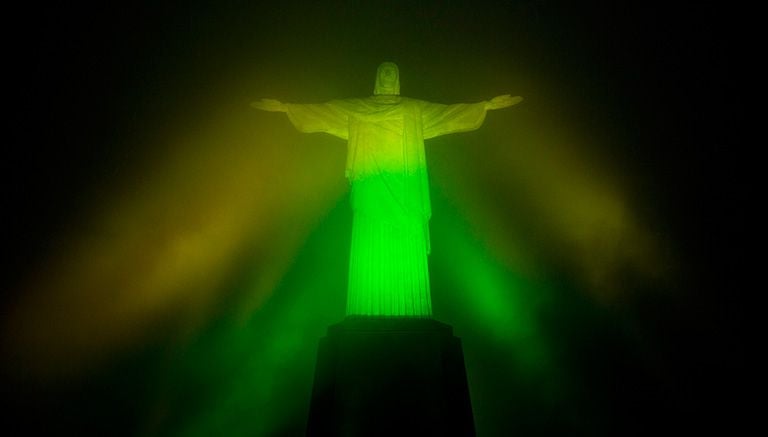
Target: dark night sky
<point>87,85</point>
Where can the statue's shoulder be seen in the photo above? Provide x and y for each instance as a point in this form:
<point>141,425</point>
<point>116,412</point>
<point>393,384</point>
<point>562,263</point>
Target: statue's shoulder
<point>377,104</point>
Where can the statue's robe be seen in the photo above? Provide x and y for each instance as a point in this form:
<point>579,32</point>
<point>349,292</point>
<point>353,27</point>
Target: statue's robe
<point>387,171</point>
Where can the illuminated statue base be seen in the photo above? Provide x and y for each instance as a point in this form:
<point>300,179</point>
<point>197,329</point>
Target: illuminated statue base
<point>390,377</point>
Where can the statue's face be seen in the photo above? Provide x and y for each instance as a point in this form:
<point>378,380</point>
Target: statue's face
<point>388,76</point>
<point>387,79</point>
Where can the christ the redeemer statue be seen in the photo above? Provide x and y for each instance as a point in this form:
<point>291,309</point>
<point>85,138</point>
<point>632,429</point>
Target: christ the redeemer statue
<point>387,171</point>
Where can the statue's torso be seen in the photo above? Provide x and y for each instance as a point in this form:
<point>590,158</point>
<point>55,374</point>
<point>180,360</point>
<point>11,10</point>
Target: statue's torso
<point>382,137</point>
<point>387,160</point>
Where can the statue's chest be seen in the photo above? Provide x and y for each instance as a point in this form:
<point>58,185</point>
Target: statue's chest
<point>385,123</point>
<point>387,130</point>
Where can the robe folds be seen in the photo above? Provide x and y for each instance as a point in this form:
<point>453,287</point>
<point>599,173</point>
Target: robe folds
<point>387,171</point>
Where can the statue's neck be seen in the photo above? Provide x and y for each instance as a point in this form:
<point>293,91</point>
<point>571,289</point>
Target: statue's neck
<point>387,98</point>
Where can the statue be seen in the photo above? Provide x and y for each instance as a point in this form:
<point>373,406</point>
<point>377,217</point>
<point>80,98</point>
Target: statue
<point>387,172</point>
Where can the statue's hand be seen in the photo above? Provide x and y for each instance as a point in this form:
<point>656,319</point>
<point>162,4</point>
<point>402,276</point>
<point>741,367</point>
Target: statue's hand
<point>504,101</point>
<point>271,105</point>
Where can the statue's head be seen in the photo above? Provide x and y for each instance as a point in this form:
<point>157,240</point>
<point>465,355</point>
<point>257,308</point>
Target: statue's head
<point>387,79</point>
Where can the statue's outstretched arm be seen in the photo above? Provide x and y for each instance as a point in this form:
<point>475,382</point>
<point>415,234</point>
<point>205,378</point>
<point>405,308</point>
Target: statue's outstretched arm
<point>329,117</point>
<point>502,101</point>
<point>270,105</point>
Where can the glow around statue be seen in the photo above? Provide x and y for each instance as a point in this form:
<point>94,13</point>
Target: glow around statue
<point>387,171</point>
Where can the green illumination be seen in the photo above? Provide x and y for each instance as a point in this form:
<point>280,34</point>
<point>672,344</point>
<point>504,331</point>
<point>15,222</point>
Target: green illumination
<point>387,171</point>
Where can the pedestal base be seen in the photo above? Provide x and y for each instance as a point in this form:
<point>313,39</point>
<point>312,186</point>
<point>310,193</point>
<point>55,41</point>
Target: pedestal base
<point>390,377</point>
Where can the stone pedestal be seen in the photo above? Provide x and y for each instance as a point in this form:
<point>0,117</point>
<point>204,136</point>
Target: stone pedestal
<point>390,377</point>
